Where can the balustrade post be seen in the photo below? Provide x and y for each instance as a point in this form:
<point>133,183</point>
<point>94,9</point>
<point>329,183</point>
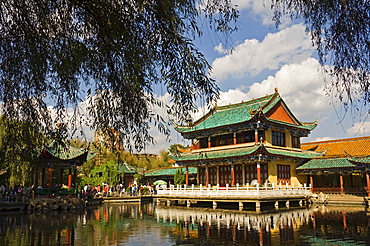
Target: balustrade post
<point>227,187</point>
<point>247,184</point>
<point>237,186</point>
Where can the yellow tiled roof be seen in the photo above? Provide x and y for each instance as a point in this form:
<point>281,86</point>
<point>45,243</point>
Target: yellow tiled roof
<point>355,147</point>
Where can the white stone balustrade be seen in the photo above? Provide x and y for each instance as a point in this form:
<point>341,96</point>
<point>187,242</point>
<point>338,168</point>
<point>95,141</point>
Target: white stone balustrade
<point>238,191</point>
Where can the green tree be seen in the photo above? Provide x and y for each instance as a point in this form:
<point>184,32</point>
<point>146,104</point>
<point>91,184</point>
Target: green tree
<point>106,173</point>
<point>340,32</point>
<point>20,145</point>
<point>112,52</point>
<point>179,177</point>
<point>174,148</point>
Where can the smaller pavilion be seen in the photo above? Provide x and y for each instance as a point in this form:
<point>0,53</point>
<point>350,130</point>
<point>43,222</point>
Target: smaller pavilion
<point>55,159</point>
<point>128,172</point>
<point>168,173</point>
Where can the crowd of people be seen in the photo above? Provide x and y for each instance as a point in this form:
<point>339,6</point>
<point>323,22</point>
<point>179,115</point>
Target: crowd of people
<point>22,193</point>
<point>15,194</point>
<point>106,190</point>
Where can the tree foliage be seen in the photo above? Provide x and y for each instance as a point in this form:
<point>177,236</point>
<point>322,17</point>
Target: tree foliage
<point>114,53</point>
<point>20,145</point>
<point>174,148</point>
<point>179,177</point>
<point>106,173</point>
<point>340,31</point>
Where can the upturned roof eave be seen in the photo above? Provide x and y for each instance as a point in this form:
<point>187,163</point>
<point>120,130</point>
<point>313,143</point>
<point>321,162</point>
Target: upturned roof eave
<point>259,102</point>
<point>248,151</point>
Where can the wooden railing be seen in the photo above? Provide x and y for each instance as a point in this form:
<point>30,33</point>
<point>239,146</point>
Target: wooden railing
<point>266,191</point>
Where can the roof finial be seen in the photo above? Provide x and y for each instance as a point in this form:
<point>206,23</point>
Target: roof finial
<point>276,90</point>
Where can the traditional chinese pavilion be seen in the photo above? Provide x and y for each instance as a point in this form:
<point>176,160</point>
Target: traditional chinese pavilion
<point>345,167</point>
<point>55,159</point>
<point>256,141</point>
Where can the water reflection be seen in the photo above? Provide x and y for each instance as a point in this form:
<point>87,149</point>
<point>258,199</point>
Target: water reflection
<point>147,224</point>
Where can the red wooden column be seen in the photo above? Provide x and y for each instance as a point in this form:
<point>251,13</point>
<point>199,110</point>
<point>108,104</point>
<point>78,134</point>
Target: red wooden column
<point>67,236</point>
<point>258,172</point>
<point>368,183</point>
<point>50,177</point>
<point>209,142</point>
<point>186,175</point>
<point>234,138</point>
<point>259,169</point>
<point>311,182</point>
<point>344,218</point>
<point>70,178</point>
<point>232,175</point>
<point>255,135</point>
<point>341,185</point>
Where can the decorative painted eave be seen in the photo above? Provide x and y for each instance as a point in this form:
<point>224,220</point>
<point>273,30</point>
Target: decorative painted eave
<point>224,153</point>
<point>309,126</point>
<point>169,171</point>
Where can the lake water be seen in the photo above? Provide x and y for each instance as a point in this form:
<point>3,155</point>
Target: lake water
<point>150,224</point>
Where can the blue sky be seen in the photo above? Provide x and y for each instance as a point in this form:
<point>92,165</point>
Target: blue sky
<point>265,57</point>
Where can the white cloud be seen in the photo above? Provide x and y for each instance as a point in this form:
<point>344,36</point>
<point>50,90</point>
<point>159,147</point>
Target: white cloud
<point>260,9</point>
<point>359,129</point>
<point>288,46</point>
<point>323,139</point>
<point>301,87</point>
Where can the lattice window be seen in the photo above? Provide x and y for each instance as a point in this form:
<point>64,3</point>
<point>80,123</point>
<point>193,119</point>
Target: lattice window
<point>278,138</point>
<point>283,174</point>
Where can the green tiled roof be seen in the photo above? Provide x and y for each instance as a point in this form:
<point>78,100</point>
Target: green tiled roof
<point>293,153</point>
<point>214,154</point>
<point>238,113</point>
<point>64,151</point>
<point>361,159</point>
<point>90,155</point>
<point>169,171</point>
<point>326,164</point>
<point>124,168</point>
<point>226,115</point>
<point>244,151</point>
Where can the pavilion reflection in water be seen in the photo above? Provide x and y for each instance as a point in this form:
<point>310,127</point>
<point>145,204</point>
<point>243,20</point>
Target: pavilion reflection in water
<point>261,229</point>
<point>114,224</point>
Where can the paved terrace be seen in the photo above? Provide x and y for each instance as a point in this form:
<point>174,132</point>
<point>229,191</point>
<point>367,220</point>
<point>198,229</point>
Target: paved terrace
<point>243,196</point>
